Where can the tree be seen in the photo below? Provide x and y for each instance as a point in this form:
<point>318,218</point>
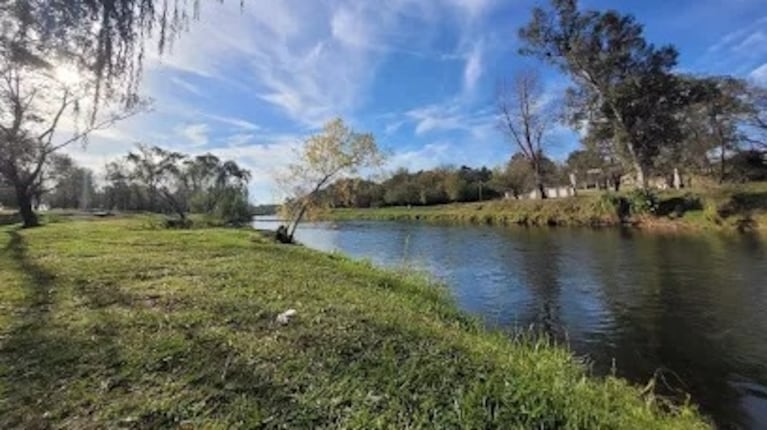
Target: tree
<point>582,160</point>
<point>119,193</point>
<point>524,120</point>
<point>34,102</point>
<point>158,170</point>
<point>105,39</point>
<point>213,186</point>
<point>73,186</point>
<point>756,117</point>
<point>456,187</point>
<point>336,151</point>
<point>712,120</point>
<point>519,177</point>
<point>624,86</point>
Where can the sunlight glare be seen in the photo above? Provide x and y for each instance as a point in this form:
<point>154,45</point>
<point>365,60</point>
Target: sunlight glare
<point>67,74</point>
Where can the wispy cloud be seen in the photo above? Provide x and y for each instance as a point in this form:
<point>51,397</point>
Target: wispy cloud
<point>737,52</point>
<point>451,115</point>
<point>759,75</point>
<point>236,122</point>
<point>474,67</point>
<point>196,134</point>
<point>239,139</point>
<point>185,85</point>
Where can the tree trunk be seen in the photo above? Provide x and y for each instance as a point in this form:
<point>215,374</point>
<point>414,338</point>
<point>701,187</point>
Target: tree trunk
<point>297,220</point>
<point>722,172</point>
<point>539,181</point>
<point>24,200</point>
<point>617,183</point>
<point>641,178</point>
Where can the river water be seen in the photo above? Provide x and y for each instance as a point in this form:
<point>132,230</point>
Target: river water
<point>691,309</point>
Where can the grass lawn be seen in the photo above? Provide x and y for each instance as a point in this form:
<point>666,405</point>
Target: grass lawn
<point>113,324</point>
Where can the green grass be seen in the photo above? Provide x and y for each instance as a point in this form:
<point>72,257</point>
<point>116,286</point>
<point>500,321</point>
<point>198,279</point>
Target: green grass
<point>114,324</point>
<point>736,207</point>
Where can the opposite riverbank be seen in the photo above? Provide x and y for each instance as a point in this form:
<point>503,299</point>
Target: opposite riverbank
<point>737,208</point>
<point>115,323</point>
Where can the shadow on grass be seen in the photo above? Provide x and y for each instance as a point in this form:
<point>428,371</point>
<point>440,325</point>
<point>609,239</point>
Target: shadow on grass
<point>750,200</point>
<point>88,363</point>
<point>677,206</point>
<point>27,352</point>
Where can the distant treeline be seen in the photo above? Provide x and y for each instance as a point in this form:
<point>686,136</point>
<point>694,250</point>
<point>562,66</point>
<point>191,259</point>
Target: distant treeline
<point>515,179</point>
<point>149,179</point>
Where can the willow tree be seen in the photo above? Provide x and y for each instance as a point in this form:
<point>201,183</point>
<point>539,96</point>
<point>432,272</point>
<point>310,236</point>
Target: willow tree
<point>106,39</point>
<point>40,114</point>
<point>335,152</point>
<point>624,86</point>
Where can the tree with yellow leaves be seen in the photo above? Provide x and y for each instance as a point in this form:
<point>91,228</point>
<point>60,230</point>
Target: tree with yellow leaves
<point>335,152</point>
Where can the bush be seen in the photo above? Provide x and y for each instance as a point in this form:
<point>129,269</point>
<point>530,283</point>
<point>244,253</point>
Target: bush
<point>174,223</point>
<point>643,201</point>
<point>613,204</point>
<point>233,208</point>
<point>676,207</point>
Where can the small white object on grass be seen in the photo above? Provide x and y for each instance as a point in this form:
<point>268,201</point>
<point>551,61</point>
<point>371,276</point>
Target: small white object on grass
<point>284,317</point>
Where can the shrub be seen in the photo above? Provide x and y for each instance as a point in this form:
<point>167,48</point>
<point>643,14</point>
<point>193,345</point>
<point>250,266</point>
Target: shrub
<point>613,204</point>
<point>643,201</point>
<point>676,207</point>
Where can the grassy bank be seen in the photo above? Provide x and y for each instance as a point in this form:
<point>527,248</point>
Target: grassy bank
<point>114,324</point>
<point>741,207</point>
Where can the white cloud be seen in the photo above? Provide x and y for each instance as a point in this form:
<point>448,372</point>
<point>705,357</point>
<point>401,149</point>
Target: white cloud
<point>239,139</point>
<point>736,52</point>
<point>237,122</point>
<point>429,156</point>
<point>350,28</point>
<point>455,153</point>
<point>735,38</point>
<point>473,70</point>
<point>265,160</point>
<point>196,134</point>
<point>759,75</point>
<point>181,83</point>
<point>474,8</point>
<point>305,61</point>
<point>393,127</point>
<point>451,116</point>
<point>754,41</point>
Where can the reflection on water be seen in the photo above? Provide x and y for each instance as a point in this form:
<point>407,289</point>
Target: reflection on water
<point>692,309</point>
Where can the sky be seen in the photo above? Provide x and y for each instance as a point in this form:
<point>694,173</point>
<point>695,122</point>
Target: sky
<point>251,84</point>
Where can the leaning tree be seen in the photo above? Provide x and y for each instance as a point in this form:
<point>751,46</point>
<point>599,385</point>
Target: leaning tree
<point>624,86</point>
<point>335,152</point>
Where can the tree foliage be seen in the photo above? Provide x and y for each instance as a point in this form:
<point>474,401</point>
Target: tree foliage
<point>35,104</point>
<point>159,180</point>
<point>72,186</point>
<point>105,39</point>
<point>624,89</point>
<point>336,151</point>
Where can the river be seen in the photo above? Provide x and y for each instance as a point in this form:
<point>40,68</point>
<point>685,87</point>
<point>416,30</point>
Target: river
<point>691,309</point>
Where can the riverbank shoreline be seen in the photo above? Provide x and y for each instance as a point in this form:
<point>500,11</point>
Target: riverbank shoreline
<point>116,322</point>
<point>738,209</point>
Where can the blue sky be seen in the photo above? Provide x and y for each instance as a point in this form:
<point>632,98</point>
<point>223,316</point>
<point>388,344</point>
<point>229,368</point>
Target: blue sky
<point>250,84</point>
